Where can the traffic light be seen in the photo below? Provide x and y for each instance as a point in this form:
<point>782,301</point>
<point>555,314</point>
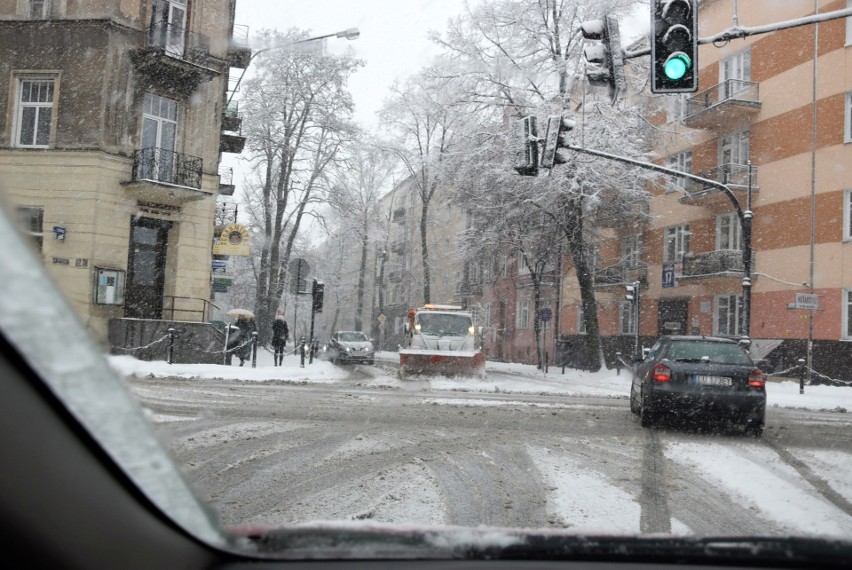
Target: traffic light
<point>559,128</point>
<point>606,55</point>
<point>317,295</point>
<point>524,146</point>
<point>674,46</point>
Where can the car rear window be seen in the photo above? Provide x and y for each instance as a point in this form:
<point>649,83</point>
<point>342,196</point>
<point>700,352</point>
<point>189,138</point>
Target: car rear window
<point>717,352</point>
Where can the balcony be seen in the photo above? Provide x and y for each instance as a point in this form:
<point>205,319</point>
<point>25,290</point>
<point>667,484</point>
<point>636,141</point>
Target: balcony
<point>618,276</point>
<point>734,176</point>
<point>729,103</point>
<point>466,289</point>
<point>166,176</point>
<point>174,58</point>
<point>226,181</point>
<point>239,52</point>
<point>232,139</point>
<point>723,263</point>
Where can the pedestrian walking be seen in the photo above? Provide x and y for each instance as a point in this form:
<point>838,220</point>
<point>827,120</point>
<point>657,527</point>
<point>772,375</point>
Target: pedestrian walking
<point>246,326</point>
<point>280,333</point>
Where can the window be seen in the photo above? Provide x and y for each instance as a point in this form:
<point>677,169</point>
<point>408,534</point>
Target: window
<point>847,215</point>
<point>522,315</point>
<point>31,222</point>
<point>728,315</point>
<point>849,25</point>
<point>581,321</point>
<point>734,72</point>
<point>728,232</point>
<point>39,9</point>
<point>504,265</point>
<point>678,106</point>
<point>734,148</point>
<point>676,243</point>
<point>627,318</point>
<point>159,138</point>
<point>631,252</point>
<point>34,116</point>
<point>847,130</point>
<point>847,314</point>
<point>681,162</point>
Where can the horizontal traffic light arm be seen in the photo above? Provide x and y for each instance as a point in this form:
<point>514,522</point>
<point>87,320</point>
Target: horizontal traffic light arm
<point>739,32</point>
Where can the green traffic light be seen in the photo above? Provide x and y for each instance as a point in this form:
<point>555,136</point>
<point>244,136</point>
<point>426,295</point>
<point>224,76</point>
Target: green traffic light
<point>676,66</point>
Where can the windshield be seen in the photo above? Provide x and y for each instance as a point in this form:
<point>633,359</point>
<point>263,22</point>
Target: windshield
<point>717,352</point>
<point>442,324</point>
<point>511,201</point>
<point>352,337</point>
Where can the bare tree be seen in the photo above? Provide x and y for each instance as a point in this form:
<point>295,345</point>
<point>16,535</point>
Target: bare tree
<point>357,182</point>
<point>297,117</point>
<point>522,57</point>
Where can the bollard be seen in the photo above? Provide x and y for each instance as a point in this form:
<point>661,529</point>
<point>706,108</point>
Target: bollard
<point>311,359</point>
<point>301,349</point>
<point>618,364</point>
<point>171,345</point>
<point>254,349</point>
<point>801,362</point>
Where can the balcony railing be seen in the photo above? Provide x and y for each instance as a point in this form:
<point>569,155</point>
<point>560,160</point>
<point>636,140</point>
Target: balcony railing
<point>465,288</point>
<point>226,181</point>
<point>616,275</point>
<point>714,264</point>
<point>734,176</point>
<point>168,167</point>
<point>733,99</point>
<point>239,52</point>
<point>178,42</point>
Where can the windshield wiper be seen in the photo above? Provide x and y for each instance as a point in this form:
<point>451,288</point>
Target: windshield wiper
<point>348,542</point>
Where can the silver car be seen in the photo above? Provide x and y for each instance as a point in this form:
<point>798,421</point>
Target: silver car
<point>351,347</point>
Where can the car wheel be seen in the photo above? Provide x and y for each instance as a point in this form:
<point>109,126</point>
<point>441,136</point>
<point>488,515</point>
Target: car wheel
<point>647,414</point>
<point>753,429</point>
<point>634,407</point>
<point>370,363</point>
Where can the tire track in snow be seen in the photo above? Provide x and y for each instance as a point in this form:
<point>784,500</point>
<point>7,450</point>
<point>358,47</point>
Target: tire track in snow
<point>655,516</point>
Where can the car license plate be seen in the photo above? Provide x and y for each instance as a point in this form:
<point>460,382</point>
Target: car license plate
<point>711,380</point>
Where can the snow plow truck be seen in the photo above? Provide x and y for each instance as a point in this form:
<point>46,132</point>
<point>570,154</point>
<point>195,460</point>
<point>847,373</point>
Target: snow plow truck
<point>441,339</point>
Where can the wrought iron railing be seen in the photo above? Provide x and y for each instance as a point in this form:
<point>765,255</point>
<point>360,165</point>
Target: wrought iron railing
<point>728,90</point>
<point>161,165</point>
<point>176,41</point>
<point>620,275</point>
<point>732,175</point>
<point>466,288</point>
<point>713,263</point>
<point>226,175</point>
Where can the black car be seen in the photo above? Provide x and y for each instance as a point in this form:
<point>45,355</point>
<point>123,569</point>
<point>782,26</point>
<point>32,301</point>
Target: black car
<point>699,379</point>
<point>351,346</point>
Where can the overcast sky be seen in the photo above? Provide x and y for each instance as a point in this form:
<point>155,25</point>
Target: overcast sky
<point>393,35</point>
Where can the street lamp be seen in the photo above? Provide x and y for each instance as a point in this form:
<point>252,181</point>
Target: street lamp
<point>349,34</point>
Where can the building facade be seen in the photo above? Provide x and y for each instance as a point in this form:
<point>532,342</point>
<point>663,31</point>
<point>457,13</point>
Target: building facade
<point>773,121</point>
<point>111,128</point>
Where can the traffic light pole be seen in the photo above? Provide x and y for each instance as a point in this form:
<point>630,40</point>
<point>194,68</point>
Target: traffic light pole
<point>745,218</point>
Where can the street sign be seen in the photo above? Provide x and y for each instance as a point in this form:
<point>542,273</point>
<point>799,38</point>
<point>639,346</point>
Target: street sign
<point>298,270</point>
<point>807,301</point>
<point>668,275</point>
<point>545,314</point>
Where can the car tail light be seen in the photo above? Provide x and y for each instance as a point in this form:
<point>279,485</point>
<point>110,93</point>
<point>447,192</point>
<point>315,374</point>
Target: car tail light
<point>757,379</point>
<point>661,373</point>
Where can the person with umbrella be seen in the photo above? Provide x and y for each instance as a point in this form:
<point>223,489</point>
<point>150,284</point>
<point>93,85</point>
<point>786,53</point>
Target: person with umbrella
<point>245,325</point>
<point>280,332</point>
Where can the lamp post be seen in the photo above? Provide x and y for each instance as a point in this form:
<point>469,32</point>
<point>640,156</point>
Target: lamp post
<point>349,34</point>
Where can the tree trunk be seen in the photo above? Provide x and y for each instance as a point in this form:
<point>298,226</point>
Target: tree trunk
<point>576,243</point>
<point>359,309</point>
<point>424,250</point>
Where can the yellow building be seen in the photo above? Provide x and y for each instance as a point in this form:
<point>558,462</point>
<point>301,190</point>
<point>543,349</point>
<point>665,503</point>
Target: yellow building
<point>111,127</point>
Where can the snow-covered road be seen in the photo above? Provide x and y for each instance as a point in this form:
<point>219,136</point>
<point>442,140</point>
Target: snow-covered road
<point>273,446</point>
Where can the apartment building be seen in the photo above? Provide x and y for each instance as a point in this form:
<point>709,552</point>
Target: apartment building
<point>773,121</point>
<point>111,130</point>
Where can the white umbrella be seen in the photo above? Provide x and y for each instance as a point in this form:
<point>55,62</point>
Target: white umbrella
<point>237,313</point>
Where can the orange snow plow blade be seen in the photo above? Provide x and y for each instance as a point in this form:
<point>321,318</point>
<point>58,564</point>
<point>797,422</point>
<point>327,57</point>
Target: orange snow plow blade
<point>449,363</point>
